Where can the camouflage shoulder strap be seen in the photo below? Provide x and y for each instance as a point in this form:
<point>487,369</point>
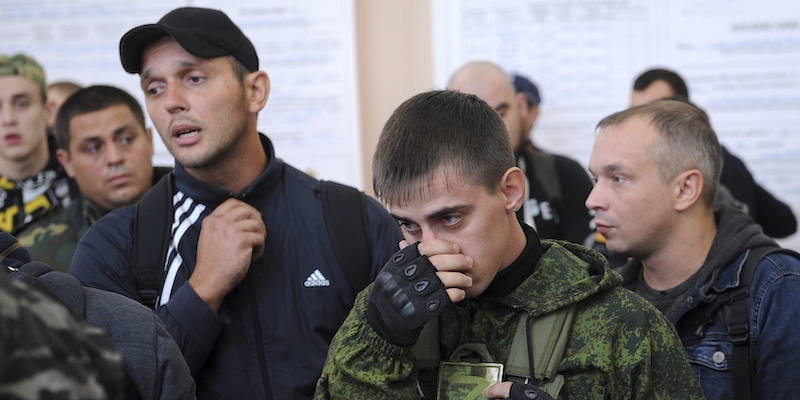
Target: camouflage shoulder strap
<point>539,344</point>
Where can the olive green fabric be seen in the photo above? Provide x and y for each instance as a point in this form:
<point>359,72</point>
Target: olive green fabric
<point>53,240</point>
<point>621,347</point>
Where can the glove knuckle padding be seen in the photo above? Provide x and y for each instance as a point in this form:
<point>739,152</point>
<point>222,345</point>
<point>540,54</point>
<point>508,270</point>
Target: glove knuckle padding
<point>407,293</point>
<point>522,391</point>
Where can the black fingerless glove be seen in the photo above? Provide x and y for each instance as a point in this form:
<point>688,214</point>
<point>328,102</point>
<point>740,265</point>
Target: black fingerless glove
<point>406,294</point>
<point>523,391</point>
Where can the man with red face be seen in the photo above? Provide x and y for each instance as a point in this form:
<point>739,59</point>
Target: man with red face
<point>32,182</point>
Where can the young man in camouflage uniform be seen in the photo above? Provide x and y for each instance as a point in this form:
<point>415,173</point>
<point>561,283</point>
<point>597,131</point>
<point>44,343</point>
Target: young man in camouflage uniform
<point>32,182</point>
<point>104,145</point>
<point>445,168</point>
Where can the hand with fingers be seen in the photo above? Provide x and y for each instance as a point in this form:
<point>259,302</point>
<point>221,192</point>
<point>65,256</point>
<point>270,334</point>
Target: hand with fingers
<point>231,238</point>
<point>414,286</point>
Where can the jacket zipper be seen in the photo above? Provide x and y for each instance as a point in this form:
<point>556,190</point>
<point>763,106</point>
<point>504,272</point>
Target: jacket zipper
<point>262,358</point>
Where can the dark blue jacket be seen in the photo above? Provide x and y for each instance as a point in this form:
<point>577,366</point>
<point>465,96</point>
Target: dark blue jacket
<point>271,334</point>
<point>773,307</point>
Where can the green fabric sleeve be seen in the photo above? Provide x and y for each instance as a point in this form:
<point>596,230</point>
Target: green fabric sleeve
<point>362,365</point>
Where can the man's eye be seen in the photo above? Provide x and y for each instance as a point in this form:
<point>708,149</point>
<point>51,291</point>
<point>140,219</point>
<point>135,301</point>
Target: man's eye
<point>126,139</point>
<point>409,226</point>
<point>451,219</point>
<point>22,104</point>
<point>154,90</point>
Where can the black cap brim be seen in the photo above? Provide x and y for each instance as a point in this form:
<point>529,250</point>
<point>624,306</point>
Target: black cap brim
<point>133,43</point>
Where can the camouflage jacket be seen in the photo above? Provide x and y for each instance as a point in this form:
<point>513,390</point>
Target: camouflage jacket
<point>25,201</point>
<point>46,353</point>
<point>53,239</point>
<point>621,347</point>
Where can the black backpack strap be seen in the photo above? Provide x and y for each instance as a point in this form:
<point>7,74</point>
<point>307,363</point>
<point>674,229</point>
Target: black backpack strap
<point>151,225</point>
<point>345,211</point>
<point>737,319</point>
<point>544,167</point>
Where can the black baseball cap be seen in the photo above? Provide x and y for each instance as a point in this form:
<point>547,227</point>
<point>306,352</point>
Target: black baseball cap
<point>203,32</point>
<point>525,86</point>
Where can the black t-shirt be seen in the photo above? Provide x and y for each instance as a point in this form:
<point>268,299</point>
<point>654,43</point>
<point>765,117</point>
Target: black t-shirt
<point>566,218</point>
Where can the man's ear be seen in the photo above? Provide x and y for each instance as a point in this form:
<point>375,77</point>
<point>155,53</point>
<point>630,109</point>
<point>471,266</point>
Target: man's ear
<point>256,86</point>
<point>513,187</point>
<point>65,160</point>
<point>51,109</point>
<point>534,113</point>
<point>522,105</point>
<point>688,189</point>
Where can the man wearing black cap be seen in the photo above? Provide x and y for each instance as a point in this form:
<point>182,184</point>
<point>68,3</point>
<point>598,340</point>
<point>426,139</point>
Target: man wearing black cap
<point>556,185</point>
<point>252,290</point>
<point>530,112</point>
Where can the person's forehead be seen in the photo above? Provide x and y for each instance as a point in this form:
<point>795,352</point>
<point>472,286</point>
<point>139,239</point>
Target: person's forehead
<point>169,46</point>
<point>657,90</point>
<point>57,93</point>
<point>629,139</point>
<point>493,89</point>
<point>95,122</point>
<point>16,85</point>
<point>445,188</point>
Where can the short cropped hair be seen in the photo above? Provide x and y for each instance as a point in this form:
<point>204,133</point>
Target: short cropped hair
<point>91,99</point>
<point>441,128</point>
<point>685,141</point>
<point>672,79</point>
<point>65,87</point>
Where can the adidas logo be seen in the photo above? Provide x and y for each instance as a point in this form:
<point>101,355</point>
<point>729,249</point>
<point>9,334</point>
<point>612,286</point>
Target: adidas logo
<point>316,279</point>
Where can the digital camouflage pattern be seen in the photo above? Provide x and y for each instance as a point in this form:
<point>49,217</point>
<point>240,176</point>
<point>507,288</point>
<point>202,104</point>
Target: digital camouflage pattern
<point>46,353</point>
<point>621,347</point>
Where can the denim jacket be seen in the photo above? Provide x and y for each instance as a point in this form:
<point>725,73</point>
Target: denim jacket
<point>774,316</point>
